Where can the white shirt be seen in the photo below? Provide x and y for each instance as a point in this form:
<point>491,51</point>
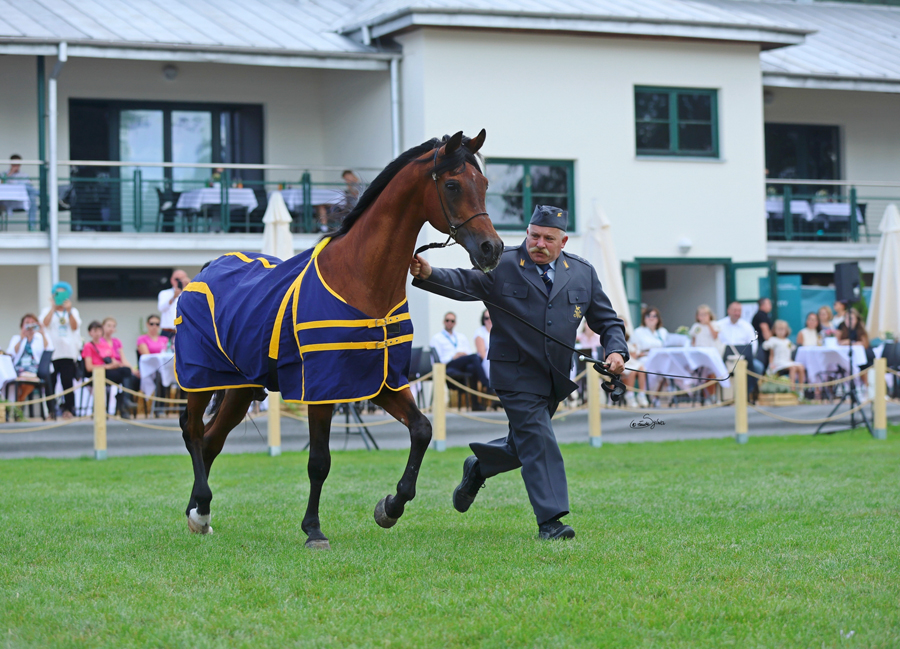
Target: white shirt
<point>736,333</point>
<point>37,347</point>
<point>447,345</point>
<point>65,340</point>
<point>646,339</point>
<point>167,311</point>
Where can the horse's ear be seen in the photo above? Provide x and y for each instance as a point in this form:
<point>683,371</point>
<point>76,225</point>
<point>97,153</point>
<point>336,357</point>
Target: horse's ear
<point>453,144</point>
<point>476,142</point>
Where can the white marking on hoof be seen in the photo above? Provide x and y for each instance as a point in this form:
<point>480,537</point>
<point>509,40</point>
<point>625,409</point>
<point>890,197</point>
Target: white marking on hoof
<point>199,524</point>
<point>318,544</point>
<point>381,516</point>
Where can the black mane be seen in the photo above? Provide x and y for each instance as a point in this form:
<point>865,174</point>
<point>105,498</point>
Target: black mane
<point>373,191</point>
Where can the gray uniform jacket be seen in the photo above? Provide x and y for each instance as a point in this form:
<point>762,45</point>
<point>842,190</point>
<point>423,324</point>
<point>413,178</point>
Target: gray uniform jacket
<point>523,360</point>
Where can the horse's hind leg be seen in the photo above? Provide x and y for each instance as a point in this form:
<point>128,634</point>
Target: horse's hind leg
<point>192,430</point>
<point>318,467</point>
<point>228,414</point>
<point>402,407</point>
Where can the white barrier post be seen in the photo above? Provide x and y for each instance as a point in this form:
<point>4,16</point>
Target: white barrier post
<point>740,401</point>
<point>99,390</point>
<point>880,405</point>
<point>439,406</point>
<point>594,399</point>
<point>274,423</point>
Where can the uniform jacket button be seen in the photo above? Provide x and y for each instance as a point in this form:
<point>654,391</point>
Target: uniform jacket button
<point>549,322</point>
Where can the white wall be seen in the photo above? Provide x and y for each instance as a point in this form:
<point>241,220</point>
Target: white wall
<point>572,98</point>
<point>687,287</point>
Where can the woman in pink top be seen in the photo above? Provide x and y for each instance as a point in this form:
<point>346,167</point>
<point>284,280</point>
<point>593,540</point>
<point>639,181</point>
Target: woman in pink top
<point>109,328</point>
<point>152,342</point>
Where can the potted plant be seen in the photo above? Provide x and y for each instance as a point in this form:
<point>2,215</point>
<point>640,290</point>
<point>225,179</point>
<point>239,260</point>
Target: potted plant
<point>777,391</point>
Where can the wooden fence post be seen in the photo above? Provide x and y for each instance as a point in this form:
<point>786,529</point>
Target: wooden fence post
<point>740,401</point>
<point>880,405</point>
<point>99,389</point>
<point>274,423</point>
<point>439,406</point>
<point>594,397</point>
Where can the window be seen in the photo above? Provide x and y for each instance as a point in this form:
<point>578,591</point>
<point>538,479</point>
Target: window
<point>122,283</point>
<point>517,185</point>
<point>676,121</point>
<point>803,151</point>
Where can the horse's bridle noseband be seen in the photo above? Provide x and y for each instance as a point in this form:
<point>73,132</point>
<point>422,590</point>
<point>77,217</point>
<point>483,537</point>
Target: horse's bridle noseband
<point>453,229</point>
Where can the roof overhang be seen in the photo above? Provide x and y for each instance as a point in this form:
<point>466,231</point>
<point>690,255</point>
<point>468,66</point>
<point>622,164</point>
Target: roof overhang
<point>768,37</point>
<point>192,54</point>
<point>830,82</point>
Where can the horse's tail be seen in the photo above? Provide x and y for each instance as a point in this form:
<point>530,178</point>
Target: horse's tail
<point>215,405</point>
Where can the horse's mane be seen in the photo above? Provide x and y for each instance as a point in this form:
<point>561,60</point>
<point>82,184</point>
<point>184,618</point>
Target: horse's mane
<point>373,191</point>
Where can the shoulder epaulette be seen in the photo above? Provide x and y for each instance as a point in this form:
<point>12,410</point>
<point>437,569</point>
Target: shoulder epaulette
<point>577,258</point>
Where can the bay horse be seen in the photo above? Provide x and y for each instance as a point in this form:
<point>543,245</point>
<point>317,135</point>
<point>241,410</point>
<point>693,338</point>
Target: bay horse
<point>250,321</point>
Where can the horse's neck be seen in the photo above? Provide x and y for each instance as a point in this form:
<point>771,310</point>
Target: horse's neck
<point>368,265</point>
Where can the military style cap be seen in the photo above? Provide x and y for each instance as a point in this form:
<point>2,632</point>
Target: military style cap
<point>550,217</point>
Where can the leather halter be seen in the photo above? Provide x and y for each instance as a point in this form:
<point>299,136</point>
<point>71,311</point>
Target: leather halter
<point>453,229</point>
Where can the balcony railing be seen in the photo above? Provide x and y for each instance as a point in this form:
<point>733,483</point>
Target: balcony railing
<point>827,210</point>
<point>125,197</point>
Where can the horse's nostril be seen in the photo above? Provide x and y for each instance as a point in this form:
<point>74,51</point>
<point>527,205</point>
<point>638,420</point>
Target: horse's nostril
<point>487,249</point>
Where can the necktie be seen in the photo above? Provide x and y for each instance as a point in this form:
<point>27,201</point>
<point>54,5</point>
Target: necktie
<point>544,276</point>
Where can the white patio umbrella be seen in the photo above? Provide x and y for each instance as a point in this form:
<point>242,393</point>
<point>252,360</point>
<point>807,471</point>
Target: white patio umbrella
<point>884,308</point>
<point>600,251</point>
<point>277,238</point>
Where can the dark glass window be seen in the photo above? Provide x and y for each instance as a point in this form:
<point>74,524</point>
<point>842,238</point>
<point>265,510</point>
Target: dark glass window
<point>122,283</point>
<point>802,151</point>
<point>673,121</point>
<point>516,186</point>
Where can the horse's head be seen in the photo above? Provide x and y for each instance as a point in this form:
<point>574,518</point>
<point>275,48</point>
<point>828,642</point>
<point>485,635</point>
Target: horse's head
<point>456,205</point>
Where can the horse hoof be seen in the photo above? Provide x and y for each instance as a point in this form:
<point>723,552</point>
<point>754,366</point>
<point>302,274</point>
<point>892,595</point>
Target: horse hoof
<point>381,516</point>
<point>199,524</point>
<point>318,544</point>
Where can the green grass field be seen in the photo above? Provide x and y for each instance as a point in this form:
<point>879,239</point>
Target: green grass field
<point>784,542</point>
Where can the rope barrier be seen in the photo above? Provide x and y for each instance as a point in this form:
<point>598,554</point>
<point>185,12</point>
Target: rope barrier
<point>673,393</point>
<point>141,425</point>
<point>803,386</point>
<point>40,399</point>
<point>147,397</point>
<point>74,420</point>
<point>892,371</point>
<point>505,422</point>
<point>824,420</point>
<point>427,377</point>
<point>676,411</point>
<point>471,391</point>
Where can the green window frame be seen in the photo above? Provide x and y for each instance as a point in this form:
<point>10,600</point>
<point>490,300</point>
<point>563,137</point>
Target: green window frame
<point>675,122</point>
<point>518,184</point>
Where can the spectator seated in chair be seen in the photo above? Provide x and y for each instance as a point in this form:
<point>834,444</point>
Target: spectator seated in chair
<point>99,353</point>
<point>453,350</point>
<point>779,347</point>
<point>26,349</point>
<point>152,342</point>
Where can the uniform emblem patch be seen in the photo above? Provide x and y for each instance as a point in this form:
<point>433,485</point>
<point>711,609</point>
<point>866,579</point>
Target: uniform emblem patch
<point>559,215</point>
<point>577,311</point>
<point>521,262</point>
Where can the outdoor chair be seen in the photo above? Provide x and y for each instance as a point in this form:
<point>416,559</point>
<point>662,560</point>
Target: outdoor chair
<point>166,211</point>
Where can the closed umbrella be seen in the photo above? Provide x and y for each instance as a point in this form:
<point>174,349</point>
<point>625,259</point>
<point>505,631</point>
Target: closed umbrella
<point>884,308</point>
<point>277,238</point>
<point>600,251</point>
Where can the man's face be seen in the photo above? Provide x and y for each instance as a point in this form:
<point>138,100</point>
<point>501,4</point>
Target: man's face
<point>734,311</point>
<point>180,275</point>
<point>544,244</point>
<point>449,322</point>
<point>14,168</point>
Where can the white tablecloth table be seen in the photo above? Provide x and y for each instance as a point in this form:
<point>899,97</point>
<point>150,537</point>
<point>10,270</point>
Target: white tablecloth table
<point>293,198</point>
<point>836,212</point>
<point>799,207</point>
<point>818,360</point>
<point>14,197</point>
<point>685,361</point>
<point>151,364</point>
<point>197,198</point>
<point>7,372</point>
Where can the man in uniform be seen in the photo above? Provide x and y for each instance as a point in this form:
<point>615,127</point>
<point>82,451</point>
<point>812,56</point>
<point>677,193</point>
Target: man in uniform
<point>530,373</point>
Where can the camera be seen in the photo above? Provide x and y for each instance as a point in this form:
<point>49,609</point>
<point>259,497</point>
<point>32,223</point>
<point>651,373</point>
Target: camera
<point>33,326</point>
<point>179,284</point>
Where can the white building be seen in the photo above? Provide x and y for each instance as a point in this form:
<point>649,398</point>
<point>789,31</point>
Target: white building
<point>664,114</point>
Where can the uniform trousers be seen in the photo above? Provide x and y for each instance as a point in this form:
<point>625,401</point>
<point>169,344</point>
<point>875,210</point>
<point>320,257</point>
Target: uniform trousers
<point>530,444</point>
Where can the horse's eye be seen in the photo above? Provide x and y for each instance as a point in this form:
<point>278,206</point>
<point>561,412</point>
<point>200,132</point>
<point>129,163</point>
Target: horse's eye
<point>452,185</point>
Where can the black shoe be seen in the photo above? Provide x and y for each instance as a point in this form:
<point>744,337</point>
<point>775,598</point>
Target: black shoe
<point>464,494</point>
<point>555,530</point>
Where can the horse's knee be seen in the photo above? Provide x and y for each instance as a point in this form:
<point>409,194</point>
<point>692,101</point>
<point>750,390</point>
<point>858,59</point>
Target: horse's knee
<point>318,467</point>
<point>420,431</point>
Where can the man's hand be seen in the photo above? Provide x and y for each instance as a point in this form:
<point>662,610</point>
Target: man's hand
<point>419,268</point>
<point>616,363</point>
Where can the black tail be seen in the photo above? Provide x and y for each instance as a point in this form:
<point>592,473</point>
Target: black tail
<point>215,404</point>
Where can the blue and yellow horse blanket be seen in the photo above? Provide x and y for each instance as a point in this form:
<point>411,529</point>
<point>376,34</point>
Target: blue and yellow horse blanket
<point>247,315</point>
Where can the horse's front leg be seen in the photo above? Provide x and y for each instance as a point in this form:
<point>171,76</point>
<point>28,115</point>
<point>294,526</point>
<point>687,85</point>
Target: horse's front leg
<point>192,430</point>
<point>402,407</point>
<point>318,467</point>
